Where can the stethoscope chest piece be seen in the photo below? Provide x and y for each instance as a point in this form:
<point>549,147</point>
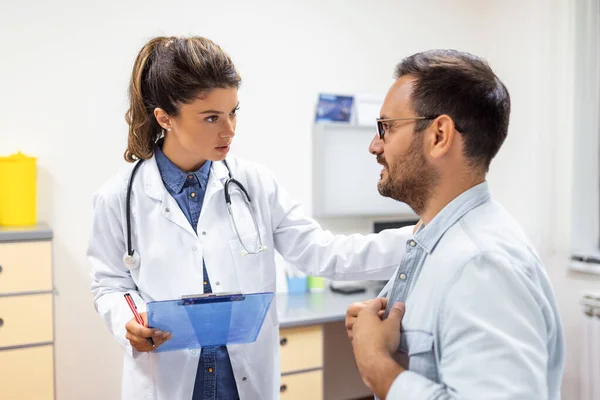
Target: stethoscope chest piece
<point>131,261</point>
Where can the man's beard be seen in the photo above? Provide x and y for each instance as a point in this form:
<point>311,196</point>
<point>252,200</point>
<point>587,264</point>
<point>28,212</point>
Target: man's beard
<point>410,179</point>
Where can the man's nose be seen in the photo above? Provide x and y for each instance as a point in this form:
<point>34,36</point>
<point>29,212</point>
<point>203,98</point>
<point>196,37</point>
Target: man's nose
<point>376,145</point>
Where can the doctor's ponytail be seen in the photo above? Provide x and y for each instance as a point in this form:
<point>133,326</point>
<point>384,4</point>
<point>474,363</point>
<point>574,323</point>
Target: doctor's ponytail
<point>168,72</point>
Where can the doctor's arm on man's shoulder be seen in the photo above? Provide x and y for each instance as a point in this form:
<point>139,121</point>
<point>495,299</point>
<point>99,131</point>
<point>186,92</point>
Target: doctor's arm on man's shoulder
<point>318,252</point>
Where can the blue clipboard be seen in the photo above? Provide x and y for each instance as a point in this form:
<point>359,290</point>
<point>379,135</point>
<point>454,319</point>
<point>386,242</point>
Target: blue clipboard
<point>209,319</point>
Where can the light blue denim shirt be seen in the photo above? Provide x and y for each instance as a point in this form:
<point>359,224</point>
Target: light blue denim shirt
<point>481,319</point>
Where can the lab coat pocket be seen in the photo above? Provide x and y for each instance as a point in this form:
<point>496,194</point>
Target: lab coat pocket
<point>255,272</point>
<point>419,346</point>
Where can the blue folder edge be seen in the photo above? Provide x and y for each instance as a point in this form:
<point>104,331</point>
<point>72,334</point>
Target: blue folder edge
<point>210,320</point>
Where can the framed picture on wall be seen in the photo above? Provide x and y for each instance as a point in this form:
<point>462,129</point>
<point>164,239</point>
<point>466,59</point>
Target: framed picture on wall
<point>334,108</point>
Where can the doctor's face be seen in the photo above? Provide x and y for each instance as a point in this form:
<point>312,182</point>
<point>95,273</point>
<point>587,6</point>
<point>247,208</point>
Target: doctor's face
<point>406,176</point>
<point>204,128</point>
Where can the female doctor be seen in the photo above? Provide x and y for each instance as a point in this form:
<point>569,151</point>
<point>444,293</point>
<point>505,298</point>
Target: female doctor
<point>186,218</point>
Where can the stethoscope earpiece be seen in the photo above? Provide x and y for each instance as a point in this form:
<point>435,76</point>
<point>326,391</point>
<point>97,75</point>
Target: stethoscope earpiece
<point>260,250</point>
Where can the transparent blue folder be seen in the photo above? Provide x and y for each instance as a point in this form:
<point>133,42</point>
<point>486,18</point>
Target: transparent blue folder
<point>209,320</point>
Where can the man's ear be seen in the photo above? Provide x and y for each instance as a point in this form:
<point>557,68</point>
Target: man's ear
<point>440,137</point>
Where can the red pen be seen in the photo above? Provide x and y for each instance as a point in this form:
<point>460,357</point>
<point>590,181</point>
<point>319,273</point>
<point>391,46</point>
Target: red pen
<point>137,315</point>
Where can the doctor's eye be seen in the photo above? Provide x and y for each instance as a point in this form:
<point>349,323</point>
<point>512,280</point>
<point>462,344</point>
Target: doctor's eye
<point>212,119</point>
<point>235,110</point>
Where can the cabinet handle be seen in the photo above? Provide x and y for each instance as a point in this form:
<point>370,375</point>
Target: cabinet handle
<point>283,341</point>
<point>1,322</point>
<point>282,388</point>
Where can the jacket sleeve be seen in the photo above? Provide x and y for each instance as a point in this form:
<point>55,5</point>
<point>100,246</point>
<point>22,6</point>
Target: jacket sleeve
<point>110,278</point>
<point>317,252</point>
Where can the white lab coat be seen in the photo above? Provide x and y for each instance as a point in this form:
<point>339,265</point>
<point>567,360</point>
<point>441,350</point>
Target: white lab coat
<point>171,256</point>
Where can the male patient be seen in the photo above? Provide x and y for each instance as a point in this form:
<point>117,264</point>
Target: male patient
<point>470,313</point>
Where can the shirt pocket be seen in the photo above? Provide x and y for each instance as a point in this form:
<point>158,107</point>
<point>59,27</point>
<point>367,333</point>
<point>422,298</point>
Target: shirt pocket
<point>419,346</point>
<point>254,271</point>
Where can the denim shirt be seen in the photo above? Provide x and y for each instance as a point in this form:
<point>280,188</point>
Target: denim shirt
<point>481,318</point>
<point>214,377</point>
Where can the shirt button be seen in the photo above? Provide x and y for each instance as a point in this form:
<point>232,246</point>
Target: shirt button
<point>403,277</point>
<point>413,243</point>
<point>194,248</point>
<point>206,283</point>
<point>193,194</point>
<point>210,370</point>
<point>191,176</point>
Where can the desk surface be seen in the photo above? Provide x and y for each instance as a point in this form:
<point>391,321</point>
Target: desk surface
<point>17,234</point>
<point>317,308</point>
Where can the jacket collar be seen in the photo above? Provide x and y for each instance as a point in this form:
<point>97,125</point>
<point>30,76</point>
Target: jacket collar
<point>428,236</point>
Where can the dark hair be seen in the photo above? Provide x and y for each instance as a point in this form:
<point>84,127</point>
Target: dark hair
<point>465,88</point>
<point>168,72</point>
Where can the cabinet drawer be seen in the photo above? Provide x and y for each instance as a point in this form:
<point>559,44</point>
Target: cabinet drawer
<point>27,374</point>
<point>25,267</point>
<point>307,385</point>
<point>25,319</point>
<point>301,348</point>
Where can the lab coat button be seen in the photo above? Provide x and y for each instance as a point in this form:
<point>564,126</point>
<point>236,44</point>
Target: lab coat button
<point>194,248</point>
<point>193,352</point>
<point>203,233</point>
<point>244,379</point>
<point>217,283</point>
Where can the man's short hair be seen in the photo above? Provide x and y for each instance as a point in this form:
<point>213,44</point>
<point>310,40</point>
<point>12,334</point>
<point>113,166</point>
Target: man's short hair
<point>464,87</point>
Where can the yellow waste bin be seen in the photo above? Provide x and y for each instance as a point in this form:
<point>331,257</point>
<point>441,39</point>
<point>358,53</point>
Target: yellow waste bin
<point>18,190</point>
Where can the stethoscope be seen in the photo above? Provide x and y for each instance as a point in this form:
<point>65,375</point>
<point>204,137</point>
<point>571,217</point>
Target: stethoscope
<point>131,259</point>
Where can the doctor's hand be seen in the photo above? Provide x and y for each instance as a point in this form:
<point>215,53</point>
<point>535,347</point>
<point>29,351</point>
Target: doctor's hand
<point>138,335</point>
<point>355,308</point>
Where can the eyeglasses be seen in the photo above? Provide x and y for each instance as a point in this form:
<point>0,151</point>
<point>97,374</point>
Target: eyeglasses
<point>381,130</point>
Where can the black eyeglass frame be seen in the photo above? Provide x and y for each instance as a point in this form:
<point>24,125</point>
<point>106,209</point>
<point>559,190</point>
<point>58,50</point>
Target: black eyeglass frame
<point>380,121</point>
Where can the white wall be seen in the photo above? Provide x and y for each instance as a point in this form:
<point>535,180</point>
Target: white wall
<point>63,78</point>
<point>574,216</point>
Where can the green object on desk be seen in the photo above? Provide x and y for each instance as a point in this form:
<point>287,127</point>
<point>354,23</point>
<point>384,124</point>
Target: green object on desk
<point>316,283</point>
